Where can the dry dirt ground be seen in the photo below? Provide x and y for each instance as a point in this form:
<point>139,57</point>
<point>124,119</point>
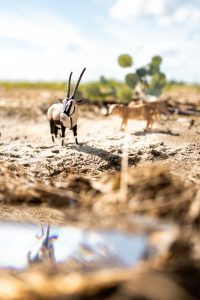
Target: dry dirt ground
<point>85,186</point>
<point>26,145</point>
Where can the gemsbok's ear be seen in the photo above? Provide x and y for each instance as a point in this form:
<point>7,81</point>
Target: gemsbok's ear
<point>60,99</point>
<point>79,100</point>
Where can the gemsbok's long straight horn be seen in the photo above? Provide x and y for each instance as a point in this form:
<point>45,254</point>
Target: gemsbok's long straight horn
<point>69,85</point>
<point>46,238</point>
<point>77,84</point>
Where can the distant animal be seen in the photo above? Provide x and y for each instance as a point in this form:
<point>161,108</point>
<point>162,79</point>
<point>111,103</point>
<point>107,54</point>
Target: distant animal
<point>138,112</point>
<point>65,114</point>
<point>157,107</point>
<point>44,251</point>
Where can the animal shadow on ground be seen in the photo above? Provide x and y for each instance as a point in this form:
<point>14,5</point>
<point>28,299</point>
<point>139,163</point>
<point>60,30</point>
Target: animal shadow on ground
<point>145,132</point>
<point>114,160</point>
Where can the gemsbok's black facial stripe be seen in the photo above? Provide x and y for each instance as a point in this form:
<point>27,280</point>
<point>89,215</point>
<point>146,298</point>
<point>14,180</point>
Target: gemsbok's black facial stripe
<point>68,109</point>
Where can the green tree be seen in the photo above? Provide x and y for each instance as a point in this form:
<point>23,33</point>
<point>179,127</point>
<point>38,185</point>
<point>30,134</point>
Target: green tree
<point>149,76</point>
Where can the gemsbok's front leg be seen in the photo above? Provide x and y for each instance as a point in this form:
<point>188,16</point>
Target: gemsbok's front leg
<point>52,129</point>
<point>62,134</point>
<point>56,131</point>
<point>74,129</point>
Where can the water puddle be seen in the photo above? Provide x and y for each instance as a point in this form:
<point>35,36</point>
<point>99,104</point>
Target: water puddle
<point>23,244</point>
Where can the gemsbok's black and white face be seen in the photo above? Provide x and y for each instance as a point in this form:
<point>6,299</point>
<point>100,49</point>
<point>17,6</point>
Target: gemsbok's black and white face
<point>69,107</point>
<point>65,115</point>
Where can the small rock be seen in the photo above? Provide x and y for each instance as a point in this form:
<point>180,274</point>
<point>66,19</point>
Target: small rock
<point>55,151</point>
<point>26,165</point>
<point>112,150</point>
<point>157,154</point>
<point>152,146</point>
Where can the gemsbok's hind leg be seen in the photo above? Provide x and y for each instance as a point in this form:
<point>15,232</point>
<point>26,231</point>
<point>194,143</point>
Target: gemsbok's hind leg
<point>52,129</point>
<point>56,131</point>
<point>74,129</point>
<point>62,134</point>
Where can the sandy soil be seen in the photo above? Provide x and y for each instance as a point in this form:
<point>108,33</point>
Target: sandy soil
<point>26,144</point>
<point>28,157</point>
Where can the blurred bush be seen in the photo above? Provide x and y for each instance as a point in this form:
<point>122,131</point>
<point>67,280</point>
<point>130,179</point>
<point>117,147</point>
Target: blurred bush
<point>148,79</point>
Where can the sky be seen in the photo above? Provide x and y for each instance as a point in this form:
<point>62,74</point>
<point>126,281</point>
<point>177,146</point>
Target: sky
<point>46,39</point>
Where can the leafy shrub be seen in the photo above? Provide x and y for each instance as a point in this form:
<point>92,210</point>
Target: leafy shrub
<point>148,77</point>
<point>124,94</point>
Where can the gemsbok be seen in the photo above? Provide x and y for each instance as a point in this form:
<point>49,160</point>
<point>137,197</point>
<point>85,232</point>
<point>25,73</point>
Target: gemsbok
<point>44,251</point>
<point>65,114</point>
